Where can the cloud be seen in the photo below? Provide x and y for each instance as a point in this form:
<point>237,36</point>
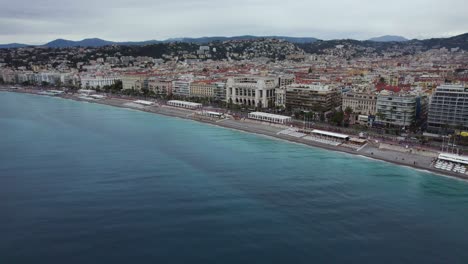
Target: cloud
<point>35,21</point>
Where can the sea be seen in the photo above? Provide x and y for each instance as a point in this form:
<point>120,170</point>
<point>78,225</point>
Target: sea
<point>89,183</point>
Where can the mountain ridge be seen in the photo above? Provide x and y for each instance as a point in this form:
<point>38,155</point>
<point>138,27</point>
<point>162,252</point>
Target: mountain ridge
<point>389,38</point>
<point>97,42</point>
<point>308,44</point>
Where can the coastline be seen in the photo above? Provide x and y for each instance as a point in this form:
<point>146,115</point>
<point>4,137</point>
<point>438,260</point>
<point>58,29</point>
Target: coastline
<point>423,163</point>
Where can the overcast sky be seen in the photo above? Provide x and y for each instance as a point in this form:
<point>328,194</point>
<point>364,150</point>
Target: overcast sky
<point>39,21</point>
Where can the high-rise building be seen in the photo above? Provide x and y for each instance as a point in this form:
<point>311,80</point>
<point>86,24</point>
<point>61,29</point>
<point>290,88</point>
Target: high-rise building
<point>181,87</point>
<point>448,108</point>
<point>220,92</point>
<point>401,109</point>
<point>312,97</point>
<point>280,92</point>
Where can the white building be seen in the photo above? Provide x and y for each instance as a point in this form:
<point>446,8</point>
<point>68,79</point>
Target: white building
<point>251,91</point>
<point>94,81</point>
<point>280,96</point>
<point>396,109</point>
<point>267,117</point>
<point>184,104</point>
<point>361,103</point>
<point>181,86</point>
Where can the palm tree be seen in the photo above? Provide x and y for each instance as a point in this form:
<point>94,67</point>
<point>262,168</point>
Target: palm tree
<point>348,112</point>
<point>380,115</point>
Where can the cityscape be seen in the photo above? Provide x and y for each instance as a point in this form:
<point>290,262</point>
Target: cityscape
<point>233,132</point>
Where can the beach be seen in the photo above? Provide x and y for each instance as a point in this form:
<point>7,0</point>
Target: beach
<point>371,150</point>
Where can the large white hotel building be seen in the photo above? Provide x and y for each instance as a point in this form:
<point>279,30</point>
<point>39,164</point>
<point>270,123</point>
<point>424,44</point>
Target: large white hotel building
<point>251,91</point>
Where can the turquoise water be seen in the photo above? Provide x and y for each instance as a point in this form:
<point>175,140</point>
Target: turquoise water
<point>87,183</point>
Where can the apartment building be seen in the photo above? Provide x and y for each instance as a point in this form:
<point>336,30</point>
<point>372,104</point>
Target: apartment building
<point>400,109</point>
<point>361,103</point>
<point>181,87</point>
<point>312,97</point>
<point>203,89</point>
<point>134,81</point>
<point>161,87</point>
<point>208,89</point>
<point>448,107</point>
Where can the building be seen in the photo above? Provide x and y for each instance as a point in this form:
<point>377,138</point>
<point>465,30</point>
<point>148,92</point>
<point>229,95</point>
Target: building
<point>280,92</point>
<point>95,81</point>
<point>272,118</point>
<point>280,96</point>
<point>312,97</point>
<point>400,109</point>
<point>161,87</point>
<point>448,108</point>
<point>49,78</point>
<point>251,91</point>
<point>184,104</point>
<point>134,81</point>
<point>220,91</point>
<point>24,77</point>
<point>8,76</point>
<point>361,103</point>
<point>285,80</point>
<point>181,88</point>
<point>203,89</point>
<point>113,60</point>
<point>208,89</point>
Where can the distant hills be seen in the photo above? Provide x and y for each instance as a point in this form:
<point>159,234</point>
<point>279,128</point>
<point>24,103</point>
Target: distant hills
<point>91,42</point>
<point>308,44</point>
<point>96,42</point>
<point>404,47</point>
<point>12,45</point>
<point>389,38</point>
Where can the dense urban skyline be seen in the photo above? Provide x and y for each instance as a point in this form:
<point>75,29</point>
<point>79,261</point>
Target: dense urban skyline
<point>36,22</point>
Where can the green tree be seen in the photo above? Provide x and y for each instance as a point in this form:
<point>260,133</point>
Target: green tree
<point>337,117</point>
<point>259,105</point>
<point>380,115</point>
<point>322,116</point>
<point>348,112</point>
<point>145,91</point>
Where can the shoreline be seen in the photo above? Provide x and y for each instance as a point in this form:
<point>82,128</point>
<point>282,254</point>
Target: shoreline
<point>270,131</point>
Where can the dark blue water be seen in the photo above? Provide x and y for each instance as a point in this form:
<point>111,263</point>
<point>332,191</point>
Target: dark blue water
<point>86,183</point>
